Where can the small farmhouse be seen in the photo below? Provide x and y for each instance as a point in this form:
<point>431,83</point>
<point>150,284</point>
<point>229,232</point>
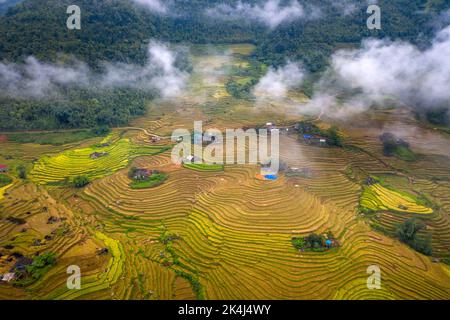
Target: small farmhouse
<point>141,174</point>
<point>97,155</point>
<point>8,277</point>
<point>315,139</point>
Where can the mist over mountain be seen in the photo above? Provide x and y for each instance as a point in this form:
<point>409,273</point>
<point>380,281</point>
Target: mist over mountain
<point>38,80</point>
<point>41,60</point>
<point>119,30</point>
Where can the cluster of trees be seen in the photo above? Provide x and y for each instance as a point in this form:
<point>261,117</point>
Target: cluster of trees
<point>32,270</point>
<point>5,180</point>
<point>22,172</point>
<point>314,242</point>
<point>332,134</point>
<point>240,90</point>
<point>334,138</point>
<point>80,181</point>
<point>438,116</point>
<point>391,143</point>
<point>243,80</point>
<point>394,146</point>
<point>407,232</point>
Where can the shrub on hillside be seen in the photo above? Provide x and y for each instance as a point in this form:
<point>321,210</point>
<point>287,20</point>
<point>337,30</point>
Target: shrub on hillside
<point>407,232</point>
<point>80,181</point>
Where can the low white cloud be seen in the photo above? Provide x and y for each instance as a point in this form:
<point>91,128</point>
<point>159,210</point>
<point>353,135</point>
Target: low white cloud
<point>346,7</point>
<point>277,82</point>
<point>381,71</point>
<point>271,13</point>
<point>153,5</point>
<point>35,79</point>
<point>159,73</point>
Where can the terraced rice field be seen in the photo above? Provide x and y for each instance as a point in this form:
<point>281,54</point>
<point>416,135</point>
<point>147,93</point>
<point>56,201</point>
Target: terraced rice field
<point>95,283</point>
<point>204,167</point>
<point>72,163</point>
<point>3,190</point>
<point>379,198</point>
<point>223,233</point>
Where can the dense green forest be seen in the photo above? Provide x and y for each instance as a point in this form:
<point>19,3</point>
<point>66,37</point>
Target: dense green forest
<point>120,31</point>
<point>314,41</point>
<point>80,108</point>
<point>114,30</point>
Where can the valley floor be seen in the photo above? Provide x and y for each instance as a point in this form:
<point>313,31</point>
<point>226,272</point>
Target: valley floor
<point>226,234</point>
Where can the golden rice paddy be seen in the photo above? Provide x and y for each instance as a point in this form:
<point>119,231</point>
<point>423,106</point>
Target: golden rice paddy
<point>376,198</point>
<point>222,234</point>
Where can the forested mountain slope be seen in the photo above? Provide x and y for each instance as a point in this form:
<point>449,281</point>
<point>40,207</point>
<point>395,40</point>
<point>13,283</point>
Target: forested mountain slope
<point>34,32</point>
<point>120,29</point>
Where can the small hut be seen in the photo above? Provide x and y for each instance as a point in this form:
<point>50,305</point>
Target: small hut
<point>97,155</point>
<point>8,277</point>
<point>141,174</point>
